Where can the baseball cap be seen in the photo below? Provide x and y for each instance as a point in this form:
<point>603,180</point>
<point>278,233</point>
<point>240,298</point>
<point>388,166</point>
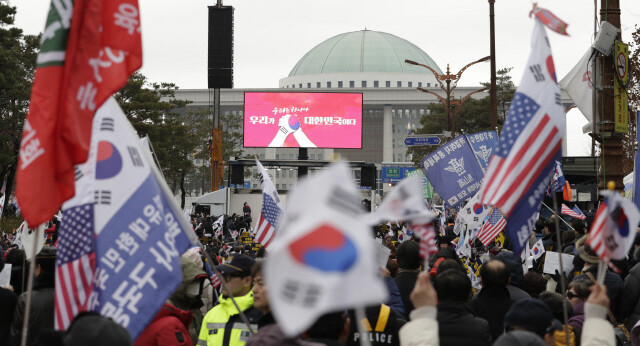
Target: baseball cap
<point>532,315</point>
<point>240,265</point>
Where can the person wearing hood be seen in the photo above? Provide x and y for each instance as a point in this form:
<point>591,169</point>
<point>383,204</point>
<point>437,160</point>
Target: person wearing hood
<point>41,312</point>
<point>188,295</point>
<point>170,327</point>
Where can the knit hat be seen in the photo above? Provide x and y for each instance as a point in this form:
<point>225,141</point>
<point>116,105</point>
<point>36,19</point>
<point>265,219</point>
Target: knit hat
<point>519,338</point>
<point>532,315</point>
<point>585,252</point>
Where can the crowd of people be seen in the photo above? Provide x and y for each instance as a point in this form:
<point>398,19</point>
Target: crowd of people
<point>434,302</point>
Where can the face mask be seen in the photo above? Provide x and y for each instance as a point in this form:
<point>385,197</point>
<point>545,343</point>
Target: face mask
<point>193,290</point>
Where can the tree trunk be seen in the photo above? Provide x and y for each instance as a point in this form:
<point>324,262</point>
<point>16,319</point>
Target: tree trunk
<point>182,192</point>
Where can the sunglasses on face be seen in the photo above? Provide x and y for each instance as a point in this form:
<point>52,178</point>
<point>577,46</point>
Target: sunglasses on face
<point>571,295</point>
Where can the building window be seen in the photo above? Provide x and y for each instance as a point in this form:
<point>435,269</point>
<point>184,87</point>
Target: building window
<point>387,84</point>
<point>290,156</point>
<point>339,84</point>
<point>277,186</point>
<point>277,156</point>
<point>308,85</point>
<point>364,83</point>
<point>410,84</point>
<point>320,157</point>
<point>277,173</point>
<point>328,84</point>
<point>300,85</point>
<point>352,84</point>
<point>419,84</point>
<point>375,84</point>
<point>313,156</point>
<point>428,85</point>
<point>399,84</point>
<point>318,85</point>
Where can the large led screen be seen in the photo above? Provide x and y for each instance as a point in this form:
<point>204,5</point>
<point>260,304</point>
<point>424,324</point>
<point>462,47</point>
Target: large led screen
<point>303,120</point>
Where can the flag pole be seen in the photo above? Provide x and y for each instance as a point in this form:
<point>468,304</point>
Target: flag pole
<point>553,211</point>
<point>364,334</point>
<point>563,286</point>
<point>27,305</point>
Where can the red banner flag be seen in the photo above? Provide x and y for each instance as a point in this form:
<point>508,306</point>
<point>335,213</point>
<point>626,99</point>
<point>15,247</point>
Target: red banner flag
<point>550,20</point>
<point>89,49</point>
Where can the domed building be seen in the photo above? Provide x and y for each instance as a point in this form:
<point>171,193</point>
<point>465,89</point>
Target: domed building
<point>367,62</point>
<point>362,59</point>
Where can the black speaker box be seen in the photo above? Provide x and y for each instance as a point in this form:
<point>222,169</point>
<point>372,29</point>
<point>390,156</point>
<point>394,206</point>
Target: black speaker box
<point>220,52</point>
<point>237,175</point>
<point>368,176</point>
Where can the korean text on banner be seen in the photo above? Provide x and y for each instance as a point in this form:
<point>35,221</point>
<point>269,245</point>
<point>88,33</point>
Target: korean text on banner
<point>140,232</point>
<point>522,166</point>
<point>88,51</point>
<point>454,171</point>
<point>328,254</point>
<point>483,144</point>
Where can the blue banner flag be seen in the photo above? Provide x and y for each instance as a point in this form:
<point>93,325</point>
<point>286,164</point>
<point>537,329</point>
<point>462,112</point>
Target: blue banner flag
<point>139,230</point>
<point>483,144</point>
<point>453,171</point>
<point>557,182</point>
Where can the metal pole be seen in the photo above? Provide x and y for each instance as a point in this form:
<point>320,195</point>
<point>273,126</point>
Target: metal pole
<point>27,305</point>
<point>493,114</point>
<point>563,286</point>
<point>449,120</point>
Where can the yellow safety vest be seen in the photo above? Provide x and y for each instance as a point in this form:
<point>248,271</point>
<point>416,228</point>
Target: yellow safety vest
<point>223,326</point>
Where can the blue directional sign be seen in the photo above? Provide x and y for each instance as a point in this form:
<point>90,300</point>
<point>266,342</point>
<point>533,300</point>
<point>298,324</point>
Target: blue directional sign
<point>426,140</point>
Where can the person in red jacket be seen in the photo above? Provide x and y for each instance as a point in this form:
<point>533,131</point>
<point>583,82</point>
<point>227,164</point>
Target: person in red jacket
<point>170,327</point>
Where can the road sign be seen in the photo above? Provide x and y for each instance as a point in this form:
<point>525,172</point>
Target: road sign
<point>423,140</point>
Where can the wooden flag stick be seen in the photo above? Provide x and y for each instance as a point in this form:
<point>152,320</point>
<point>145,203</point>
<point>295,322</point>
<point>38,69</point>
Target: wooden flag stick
<point>563,286</point>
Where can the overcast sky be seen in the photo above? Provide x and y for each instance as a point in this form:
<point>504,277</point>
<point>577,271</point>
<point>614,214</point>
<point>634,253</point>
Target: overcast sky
<point>271,36</point>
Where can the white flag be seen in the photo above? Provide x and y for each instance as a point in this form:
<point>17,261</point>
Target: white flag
<point>578,85</point>
<point>473,213</point>
<point>325,257</point>
<point>218,225</point>
<point>404,203</point>
<point>463,247</point>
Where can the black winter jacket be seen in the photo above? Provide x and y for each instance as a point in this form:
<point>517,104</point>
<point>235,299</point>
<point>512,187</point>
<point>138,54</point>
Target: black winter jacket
<point>458,326</point>
<point>41,313</point>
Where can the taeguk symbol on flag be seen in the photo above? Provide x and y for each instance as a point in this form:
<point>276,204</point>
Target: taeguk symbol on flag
<point>521,168</point>
<point>109,161</point>
<point>325,249</point>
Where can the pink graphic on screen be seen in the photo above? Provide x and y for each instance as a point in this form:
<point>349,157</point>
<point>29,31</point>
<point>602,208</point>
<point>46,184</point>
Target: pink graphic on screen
<point>311,120</point>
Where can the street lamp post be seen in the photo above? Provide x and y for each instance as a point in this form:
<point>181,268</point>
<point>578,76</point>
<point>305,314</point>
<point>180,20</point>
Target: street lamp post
<point>448,79</point>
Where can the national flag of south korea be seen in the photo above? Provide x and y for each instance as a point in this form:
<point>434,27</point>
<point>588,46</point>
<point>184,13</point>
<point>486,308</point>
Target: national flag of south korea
<point>537,250</point>
<point>522,166</point>
<point>473,213</point>
<point>614,227</point>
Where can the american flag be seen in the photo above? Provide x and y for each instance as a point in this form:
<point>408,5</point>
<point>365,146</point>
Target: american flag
<point>215,280</point>
<point>573,212</point>
<point>494,225</point>
<point>76,263</point>
<point>271,210</point>
<point>522,166</point>
<point>427,234</point>
<point>266,230</point>
<point>525,148</point>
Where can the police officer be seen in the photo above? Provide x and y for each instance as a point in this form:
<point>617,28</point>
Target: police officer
<point>222,325</point>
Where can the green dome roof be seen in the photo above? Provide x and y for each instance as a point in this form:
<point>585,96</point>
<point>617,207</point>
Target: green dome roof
<point>363,51</point>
